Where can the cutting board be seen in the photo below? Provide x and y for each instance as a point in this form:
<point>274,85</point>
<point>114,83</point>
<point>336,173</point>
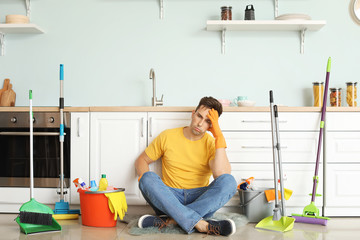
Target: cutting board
<point>5,87</point>
<point>8,96</point>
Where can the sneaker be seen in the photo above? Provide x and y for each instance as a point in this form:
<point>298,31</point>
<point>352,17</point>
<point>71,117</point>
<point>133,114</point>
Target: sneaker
<point>152,221</point>
<point>223,227</point>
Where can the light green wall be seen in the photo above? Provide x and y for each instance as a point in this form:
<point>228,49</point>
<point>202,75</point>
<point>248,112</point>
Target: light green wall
<point>109,46</point>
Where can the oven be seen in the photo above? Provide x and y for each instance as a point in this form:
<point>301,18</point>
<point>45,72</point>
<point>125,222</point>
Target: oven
<point>15,149</point>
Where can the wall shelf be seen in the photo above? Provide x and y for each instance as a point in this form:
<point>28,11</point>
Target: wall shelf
<point>20,28</point>
<point>16,29</point>
<point>265,25</point>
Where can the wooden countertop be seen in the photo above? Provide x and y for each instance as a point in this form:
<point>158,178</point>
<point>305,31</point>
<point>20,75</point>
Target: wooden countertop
<point>174,109</point>
<point>44,109</point>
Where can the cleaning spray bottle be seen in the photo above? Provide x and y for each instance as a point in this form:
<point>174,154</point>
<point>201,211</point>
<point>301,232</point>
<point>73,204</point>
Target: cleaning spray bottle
<point>103,183</point>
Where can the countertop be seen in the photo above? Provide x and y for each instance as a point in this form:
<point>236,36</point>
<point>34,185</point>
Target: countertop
<point>174,109</point>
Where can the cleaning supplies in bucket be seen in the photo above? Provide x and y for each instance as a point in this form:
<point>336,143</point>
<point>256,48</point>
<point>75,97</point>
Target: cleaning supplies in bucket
<point>101,207</point>
<point>103,184</point>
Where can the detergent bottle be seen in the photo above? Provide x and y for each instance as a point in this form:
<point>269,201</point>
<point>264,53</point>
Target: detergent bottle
<point>103,183</point>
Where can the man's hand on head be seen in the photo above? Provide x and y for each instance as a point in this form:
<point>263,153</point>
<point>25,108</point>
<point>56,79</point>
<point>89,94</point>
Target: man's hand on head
<point>213,115</point>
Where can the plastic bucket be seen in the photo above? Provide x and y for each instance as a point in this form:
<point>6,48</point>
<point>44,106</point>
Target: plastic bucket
<point>95,210</point>
<point>254,205</point>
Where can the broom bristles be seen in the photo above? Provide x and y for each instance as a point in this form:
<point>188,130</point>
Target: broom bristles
<point>36,218</point>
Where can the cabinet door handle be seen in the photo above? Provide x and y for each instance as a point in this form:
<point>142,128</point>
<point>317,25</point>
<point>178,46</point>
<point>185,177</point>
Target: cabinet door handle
<point>78,127</point>
<point>150,127</point>
<point>261,147</point>
<point>260,121</point>
<point>142,127</point>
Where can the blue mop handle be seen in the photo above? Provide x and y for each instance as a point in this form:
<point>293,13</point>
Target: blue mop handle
<point>61,103</point>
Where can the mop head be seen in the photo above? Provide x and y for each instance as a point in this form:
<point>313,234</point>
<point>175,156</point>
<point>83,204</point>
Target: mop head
<point>311,215</point>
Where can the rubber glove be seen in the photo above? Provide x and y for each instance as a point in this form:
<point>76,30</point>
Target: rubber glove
<point>213,115</point>
<point>117,204</point>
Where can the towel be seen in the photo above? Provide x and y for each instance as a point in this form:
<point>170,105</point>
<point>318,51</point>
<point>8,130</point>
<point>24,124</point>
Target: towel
<point>270,194</point>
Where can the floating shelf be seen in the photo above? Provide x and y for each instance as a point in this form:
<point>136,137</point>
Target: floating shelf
<point>16,29</point>
<point>268,25</point>
<point>20,28</point>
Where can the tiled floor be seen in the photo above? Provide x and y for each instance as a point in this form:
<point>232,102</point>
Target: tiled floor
<point>337,229</point>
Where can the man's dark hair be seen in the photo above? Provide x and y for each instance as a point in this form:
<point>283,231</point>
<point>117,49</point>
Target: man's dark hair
<point>210,102</point>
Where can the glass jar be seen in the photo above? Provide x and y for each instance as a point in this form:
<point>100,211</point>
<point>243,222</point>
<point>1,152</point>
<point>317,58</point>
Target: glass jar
<point>335,97</point>
<point>318,91</point>
<point>351,94</point>
<point>226,13</point>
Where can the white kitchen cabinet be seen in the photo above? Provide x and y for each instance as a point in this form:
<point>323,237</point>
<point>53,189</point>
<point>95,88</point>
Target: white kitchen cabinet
<point>249,149</point>
<point>116,140</point>
<point>342,166</point>
<point>79,151</point>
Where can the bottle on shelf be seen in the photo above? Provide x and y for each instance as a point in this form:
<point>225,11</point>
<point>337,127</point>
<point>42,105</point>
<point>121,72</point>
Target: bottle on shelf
<point>351,94</point>
<point>318,92</point>
<point>335,97</point>
<point>103,183</point>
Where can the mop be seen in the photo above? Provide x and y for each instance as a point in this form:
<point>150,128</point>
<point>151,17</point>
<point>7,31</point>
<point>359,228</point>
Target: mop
<point>62,209</point>
<point>311,212</point>
<point>279,221</point>
<point>35,217</point>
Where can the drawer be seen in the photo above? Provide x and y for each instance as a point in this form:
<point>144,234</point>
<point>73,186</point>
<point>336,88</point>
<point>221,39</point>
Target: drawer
<point>251,147</point>
<point>261,121</point>
<point>297,177</point>
<point>342,121</point>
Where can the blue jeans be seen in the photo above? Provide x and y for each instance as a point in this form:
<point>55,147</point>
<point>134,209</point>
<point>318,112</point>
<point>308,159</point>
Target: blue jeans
<point>187,206</point>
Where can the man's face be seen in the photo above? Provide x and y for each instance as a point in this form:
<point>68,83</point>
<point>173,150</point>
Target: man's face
<point>200,123</point>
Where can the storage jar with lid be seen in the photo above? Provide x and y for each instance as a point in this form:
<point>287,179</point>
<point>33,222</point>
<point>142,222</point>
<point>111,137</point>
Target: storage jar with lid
<point>351,94</point>
<point>318,91</point>
<point>226,13</point>
<point>335,97</point>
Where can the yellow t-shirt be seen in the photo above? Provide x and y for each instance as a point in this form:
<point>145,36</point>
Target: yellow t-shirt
<point>185,163</point>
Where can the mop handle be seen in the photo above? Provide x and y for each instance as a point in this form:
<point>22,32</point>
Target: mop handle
<point>278,147</point>
<point>273,148</point>
<point>31,148</point>
<point>61,136</point>
<point>322,123</point>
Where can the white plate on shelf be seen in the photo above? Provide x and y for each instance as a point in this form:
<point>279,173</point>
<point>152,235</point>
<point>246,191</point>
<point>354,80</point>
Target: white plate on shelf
<point>293,16</point>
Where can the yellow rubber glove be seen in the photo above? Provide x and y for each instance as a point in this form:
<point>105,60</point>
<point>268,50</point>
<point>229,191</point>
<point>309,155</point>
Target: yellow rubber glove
<point>213,115</point>
<point>117,204</point>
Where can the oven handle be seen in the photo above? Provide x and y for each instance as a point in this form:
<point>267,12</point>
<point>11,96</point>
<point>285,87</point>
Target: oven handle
<point>28,133</point>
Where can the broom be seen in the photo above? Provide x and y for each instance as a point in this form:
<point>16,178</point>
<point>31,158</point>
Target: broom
<point>311,212</point>
<point>34,216</point>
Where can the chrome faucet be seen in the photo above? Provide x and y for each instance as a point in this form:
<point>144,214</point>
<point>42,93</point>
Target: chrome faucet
<point>155,101</point>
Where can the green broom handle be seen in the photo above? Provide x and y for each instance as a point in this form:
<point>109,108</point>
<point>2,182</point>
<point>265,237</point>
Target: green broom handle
<point>322,123</point>
<point>31,148</point>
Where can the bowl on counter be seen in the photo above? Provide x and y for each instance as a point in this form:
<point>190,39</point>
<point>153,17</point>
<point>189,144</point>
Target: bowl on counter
<point>246,103</point>
<point>225,102</point>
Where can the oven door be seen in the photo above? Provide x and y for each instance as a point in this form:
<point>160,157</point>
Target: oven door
<point>15,166</point>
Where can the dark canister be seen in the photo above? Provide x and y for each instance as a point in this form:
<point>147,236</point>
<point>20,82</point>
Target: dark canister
<point>226,13</point>
<point>249,12</point>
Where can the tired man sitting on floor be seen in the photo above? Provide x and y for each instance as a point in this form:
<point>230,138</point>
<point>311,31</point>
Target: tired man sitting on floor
<point>189,156</point>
